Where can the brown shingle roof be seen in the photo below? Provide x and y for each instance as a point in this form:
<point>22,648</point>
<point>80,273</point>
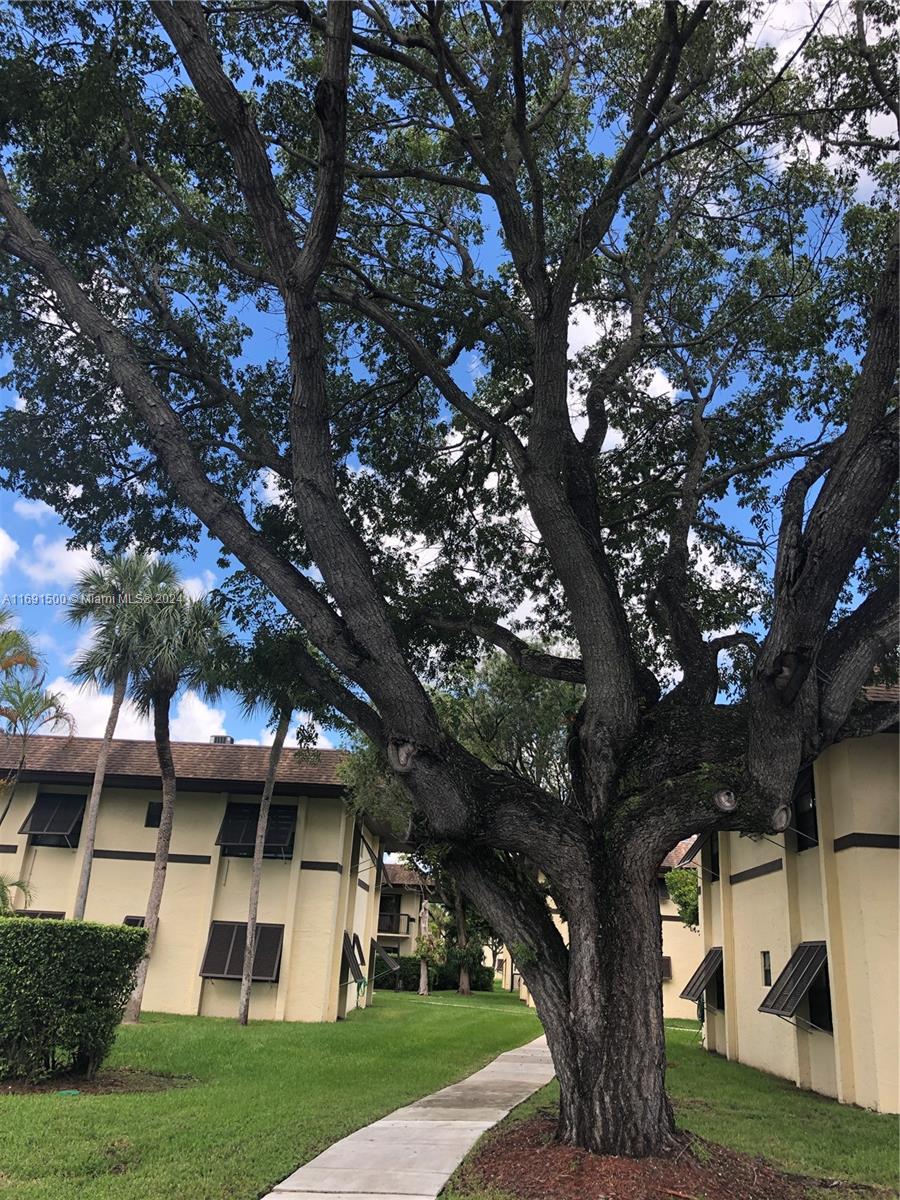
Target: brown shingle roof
<point>199,765</point>
<point>676,854</point>
<point>396,875</point>
<point>882,693</point>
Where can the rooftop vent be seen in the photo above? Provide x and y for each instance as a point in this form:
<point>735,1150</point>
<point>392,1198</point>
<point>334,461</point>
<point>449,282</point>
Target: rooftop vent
<point>222,739</point>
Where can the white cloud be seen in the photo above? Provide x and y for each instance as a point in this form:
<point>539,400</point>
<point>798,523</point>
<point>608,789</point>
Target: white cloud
<point>91,712</point>
<point>54,562</point>
<point>33,510</point>
<point>197,586</point>
<point>8,548</point>
<point>192,721</point>
<point>19,404</point>
<point>195,720</point>
<point>270,486</point>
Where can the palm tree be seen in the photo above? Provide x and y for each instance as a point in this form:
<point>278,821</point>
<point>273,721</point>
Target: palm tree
<point>27,709</point>
<point>264,677</point>
<point>180,645</point>
<point>113,596</point>
<point>7,887</point>
<point>15,647</point>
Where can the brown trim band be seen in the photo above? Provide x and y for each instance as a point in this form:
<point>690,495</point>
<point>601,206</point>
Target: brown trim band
<point>874,841</point>
<point>146,856</point>
<point>669,917</point>
<point>362,883</point>
<point>766,868</point>
<point>312,864</point>
<point>6,848</point>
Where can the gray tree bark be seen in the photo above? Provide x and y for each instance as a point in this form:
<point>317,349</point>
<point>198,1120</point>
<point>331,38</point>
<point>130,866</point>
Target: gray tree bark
<point>284,720</point>
<point>161,860</point>
<point>89,831</point>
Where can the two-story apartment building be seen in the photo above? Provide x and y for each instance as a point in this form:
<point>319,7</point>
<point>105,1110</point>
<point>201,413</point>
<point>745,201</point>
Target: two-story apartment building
<point>403,892</point>
<point>319,898</point>
<point>680,944</point>
<point>799,970</point>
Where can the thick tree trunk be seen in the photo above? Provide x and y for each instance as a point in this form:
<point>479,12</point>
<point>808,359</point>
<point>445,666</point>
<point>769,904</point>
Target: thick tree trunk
<point>284,720</point>
<point>465,982</point>
<point>89,832</point>
<point>161,860</point>
<point>608,1042</point>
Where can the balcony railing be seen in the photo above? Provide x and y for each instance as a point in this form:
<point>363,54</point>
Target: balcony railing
<point>391,922</point>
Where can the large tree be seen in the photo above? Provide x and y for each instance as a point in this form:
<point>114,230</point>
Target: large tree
<point>307,275</point>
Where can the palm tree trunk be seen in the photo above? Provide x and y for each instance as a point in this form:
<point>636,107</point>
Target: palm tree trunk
<point>284,720</point>
<point>89,833</point>
<point>163,838</point>
<point>11,782</point>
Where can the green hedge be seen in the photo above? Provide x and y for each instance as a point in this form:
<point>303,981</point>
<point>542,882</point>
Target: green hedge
<point>443,978</point>
<point>63,987</point>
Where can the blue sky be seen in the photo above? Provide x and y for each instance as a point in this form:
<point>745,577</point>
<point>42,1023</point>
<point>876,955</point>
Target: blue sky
<point>35,561</point>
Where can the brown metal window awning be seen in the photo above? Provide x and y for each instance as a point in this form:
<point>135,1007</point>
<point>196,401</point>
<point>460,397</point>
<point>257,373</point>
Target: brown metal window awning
<point>667,966</point>
<point>224,957</point>
<point>379,951</point>
<point>41,914</point>
<point>703,976</point>
<point>237,834</point>
<point>794,982</point>
<point>351,960</point>
<point>55,817</point>
<point>135,921</point>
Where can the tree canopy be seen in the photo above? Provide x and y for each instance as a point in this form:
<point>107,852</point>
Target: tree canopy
<point>457,323</point>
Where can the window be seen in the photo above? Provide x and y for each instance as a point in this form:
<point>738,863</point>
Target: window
<point>137,922</point>
<point>224,957</point>
<point>805,977</point>
<point>358,950</point>
<point>42,914</point>
<point>350,960</point>
<point>154,814</point>
<point>383,953</point>
<point>237,835</point>
<point>803,803</point>
<point>818,1000</point>
<point>55,820</point>
<point>704,975</point>
<point>666,967</point>
<point>766,963</point>
<point>713,857</point>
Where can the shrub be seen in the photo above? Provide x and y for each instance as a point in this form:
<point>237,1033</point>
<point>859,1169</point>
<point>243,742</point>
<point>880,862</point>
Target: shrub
<point>681,884</point>
<point>63,987</point>
<point>442,978</point>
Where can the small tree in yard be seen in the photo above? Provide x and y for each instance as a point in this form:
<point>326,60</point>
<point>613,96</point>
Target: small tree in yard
<point>431,944</point>
<point>584,333</point>
<point>113,597</point>
<point>179,647</point>
<point>27,709</point>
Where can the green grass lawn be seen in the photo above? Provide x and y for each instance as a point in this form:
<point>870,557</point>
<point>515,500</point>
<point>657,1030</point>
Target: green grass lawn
<point>760,1114</point>
<point>266,1098</point>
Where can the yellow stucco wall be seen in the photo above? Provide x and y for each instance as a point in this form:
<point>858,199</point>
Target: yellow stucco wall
<point>314,903</point>
<point>839,892</point>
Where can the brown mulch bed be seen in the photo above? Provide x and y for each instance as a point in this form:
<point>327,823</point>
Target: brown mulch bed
<point>526,1163</point>
<point>116,1079</point>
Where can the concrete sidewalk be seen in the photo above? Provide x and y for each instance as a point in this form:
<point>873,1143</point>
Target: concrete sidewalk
<point>410,1154</point>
